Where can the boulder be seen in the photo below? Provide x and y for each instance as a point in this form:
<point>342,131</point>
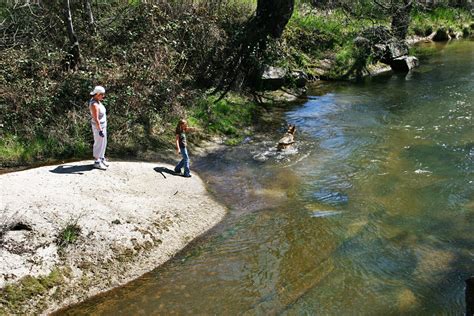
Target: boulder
<point>300,78</point>
<point>466,32</point>
<point>404,64</point>
<point>322,68</point>
<point>273,78</point>
<point>389,51</point>
<point>396,49</point>
<point>361,41</point>
<point>441,35</point>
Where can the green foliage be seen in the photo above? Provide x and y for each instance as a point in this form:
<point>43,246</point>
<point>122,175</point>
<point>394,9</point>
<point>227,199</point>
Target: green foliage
<point>343,61</point>
<point>309,34</point>
<point>17,151</point>
<point>149,57</point>
<point>154,61</point>
<point>426,22</point>
<point>312,35</point>
<point>227,117</point>
<point>68,235</point>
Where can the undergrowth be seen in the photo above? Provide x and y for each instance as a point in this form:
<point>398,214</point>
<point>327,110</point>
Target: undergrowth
<point>158,63</point>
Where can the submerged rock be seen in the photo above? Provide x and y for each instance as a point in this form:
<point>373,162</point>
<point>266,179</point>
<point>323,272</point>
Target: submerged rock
<point>325,213</point>
<point>404,64</point>
<point>407,301</point>
<point>332,198</point>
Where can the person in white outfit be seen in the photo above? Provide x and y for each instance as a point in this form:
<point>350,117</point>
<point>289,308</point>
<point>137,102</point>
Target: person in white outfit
<point>99,127</point>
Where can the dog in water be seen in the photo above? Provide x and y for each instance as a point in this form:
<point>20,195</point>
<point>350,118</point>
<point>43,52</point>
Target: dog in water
<point>288,139</point>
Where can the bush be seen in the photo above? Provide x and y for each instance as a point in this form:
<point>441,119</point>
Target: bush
<point>424,22</point>
<point>227,117</point>
<point>152,59</point>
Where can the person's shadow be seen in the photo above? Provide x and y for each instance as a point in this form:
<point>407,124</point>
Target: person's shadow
<point>164,170</point>
<point>72,169</point>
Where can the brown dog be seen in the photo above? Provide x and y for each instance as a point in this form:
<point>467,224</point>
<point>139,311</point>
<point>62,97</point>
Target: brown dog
<point>288,139</point>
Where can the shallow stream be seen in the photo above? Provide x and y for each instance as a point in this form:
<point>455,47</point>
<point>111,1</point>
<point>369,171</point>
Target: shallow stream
<point>371,213</point>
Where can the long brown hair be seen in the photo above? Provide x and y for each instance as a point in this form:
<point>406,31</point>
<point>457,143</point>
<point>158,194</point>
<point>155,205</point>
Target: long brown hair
<point>180,128</point>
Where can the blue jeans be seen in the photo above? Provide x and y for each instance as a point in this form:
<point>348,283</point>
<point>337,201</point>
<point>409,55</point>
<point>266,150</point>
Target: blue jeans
<point>184,162</point>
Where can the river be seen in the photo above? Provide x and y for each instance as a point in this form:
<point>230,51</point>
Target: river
<point>370,213</point>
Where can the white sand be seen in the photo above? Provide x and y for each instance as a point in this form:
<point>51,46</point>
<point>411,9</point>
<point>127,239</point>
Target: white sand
<point>132,219</point>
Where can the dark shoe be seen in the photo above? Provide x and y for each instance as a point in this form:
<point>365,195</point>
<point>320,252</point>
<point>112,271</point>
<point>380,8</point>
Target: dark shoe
<point>177,171</point>
<point>187,175</point>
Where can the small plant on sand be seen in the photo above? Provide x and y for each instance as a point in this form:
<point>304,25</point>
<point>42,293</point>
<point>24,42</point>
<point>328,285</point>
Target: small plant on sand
<point>69,234</point>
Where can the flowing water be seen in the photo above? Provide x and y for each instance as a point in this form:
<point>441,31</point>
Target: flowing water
<point>371,212</point>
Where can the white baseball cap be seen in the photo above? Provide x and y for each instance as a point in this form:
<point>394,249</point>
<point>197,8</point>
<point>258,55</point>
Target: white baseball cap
<point>98,89</point>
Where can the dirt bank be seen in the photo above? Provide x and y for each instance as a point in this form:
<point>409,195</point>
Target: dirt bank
<point>68,232</point>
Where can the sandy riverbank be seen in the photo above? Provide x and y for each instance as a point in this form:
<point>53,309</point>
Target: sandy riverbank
<point>131,218</point>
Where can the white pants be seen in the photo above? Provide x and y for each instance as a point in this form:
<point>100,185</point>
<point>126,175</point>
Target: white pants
<point>100,143</point>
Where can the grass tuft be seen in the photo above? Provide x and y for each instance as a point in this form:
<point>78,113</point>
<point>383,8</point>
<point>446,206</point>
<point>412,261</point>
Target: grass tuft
<point>68,235</point>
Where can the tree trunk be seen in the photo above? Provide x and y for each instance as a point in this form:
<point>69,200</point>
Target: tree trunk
<point>89,16</point>
<point>401,19</point>
<point>75,56</point>
<point>273,15</point>
<point>245,63</point>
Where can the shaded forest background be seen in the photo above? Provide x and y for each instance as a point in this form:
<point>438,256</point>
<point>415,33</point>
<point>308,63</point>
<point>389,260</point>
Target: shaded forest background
<point>162,60</point>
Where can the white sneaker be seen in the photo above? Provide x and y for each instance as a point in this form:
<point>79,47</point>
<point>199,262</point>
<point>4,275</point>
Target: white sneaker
<point>99,165</point>
<point>104,162</point>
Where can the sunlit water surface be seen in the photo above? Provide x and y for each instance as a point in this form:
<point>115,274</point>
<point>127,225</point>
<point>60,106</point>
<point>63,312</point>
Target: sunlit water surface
<point>372,212</point>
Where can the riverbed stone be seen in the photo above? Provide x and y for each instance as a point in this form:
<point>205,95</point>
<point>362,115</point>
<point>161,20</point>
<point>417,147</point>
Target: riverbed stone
<point>407,301</point>
<point>404,64</point>
<point>432,264</point>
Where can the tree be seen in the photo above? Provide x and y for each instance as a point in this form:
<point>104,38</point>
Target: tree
<point>400,11</point>
<point>272,16</point>
<point>244,64</point>
<point>89,16</point>
<point>75,55</point>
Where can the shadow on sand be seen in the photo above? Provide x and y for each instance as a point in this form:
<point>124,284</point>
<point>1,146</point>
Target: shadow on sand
<point>164,170</point>
<point>72,169</point>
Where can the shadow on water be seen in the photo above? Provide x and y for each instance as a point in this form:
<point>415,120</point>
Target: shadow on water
<point>65,169</point>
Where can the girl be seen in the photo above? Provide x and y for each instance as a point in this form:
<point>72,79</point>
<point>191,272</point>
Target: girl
<point>181,144</point>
